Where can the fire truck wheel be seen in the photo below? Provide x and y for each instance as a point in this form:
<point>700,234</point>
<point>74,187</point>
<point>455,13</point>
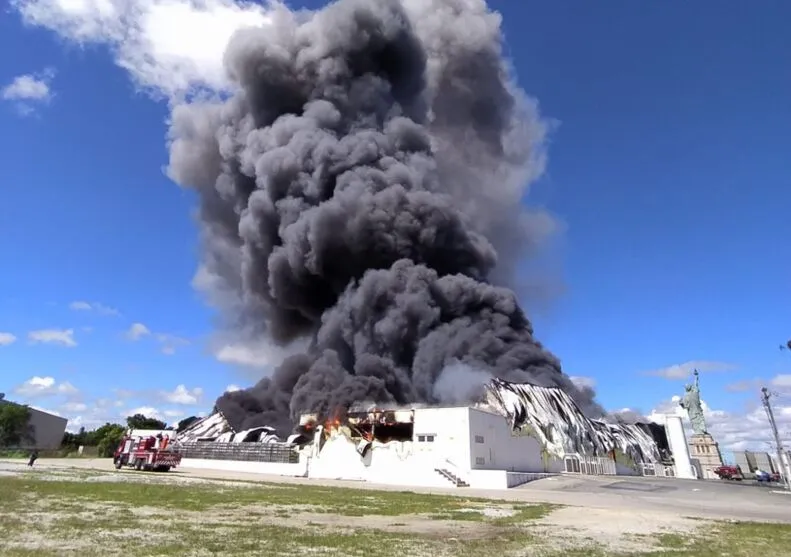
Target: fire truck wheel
<point>118,464</point>
<point>139,465</point>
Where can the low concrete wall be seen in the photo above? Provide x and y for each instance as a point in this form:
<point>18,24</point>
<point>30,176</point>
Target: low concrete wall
<point>487,479</point>
<point>275,468</point>
<point>501,479</point>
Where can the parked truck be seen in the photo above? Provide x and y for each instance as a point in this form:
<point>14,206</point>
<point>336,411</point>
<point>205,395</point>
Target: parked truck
<point>728,472</point>
<point>148,452</point>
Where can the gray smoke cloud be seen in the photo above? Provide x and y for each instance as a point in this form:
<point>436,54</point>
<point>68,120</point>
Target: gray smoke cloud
<point>362,189</point>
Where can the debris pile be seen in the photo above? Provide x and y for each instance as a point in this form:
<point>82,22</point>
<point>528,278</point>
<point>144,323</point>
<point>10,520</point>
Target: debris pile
<point>216,428</point>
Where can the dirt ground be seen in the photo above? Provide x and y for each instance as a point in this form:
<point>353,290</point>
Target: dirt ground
<point>72,503</point>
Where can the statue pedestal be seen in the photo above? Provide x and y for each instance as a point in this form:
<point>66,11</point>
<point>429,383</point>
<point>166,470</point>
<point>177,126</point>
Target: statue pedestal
<point>705,454</point>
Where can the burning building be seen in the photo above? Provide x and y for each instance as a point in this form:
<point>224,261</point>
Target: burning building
<point>361,193</point>
<point>516,433</point>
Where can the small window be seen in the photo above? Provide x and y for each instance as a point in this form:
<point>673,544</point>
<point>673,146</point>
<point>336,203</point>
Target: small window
<point>429,438</point>
<point>479,439</point>
<point>421,438</point>
<point>480,461</point>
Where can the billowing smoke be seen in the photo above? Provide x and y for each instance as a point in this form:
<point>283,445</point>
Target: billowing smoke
<point>362,189</point>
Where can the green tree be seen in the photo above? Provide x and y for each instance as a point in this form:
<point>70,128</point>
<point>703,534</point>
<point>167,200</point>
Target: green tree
<point>139,421</point>
<point>108,438</point>
<point>15,428</point>
<point>74,440</point>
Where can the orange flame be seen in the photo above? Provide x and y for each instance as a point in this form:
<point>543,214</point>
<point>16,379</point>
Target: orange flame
<point>333,422</point>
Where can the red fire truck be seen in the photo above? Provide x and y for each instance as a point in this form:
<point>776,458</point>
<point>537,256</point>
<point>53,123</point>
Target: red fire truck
<point>146,452</point>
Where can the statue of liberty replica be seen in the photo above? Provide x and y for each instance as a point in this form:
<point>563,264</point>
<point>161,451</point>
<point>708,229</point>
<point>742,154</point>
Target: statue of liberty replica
<point>691,403</point>
<point>703,449</point>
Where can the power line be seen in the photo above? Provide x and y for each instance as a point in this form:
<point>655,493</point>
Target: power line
<point>782,458</point>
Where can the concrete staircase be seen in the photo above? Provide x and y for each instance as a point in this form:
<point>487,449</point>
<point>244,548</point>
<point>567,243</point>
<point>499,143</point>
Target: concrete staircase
<point>458,482</point>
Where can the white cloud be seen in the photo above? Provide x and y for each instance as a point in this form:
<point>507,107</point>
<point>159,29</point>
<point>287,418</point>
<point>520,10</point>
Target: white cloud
<point>46,410</point>
<point>124,393</point>
<point>147,411</point>
<point>744,386</point>
<point>74,407</point>
<point>75,423</point>
<point>582,382</point>
<point>182,395</point>
<point>89,414</point>
<point>6,339</point>
<point>169,343</point>
<point>258,355</point>
<point>232,388</point>
<point>684,371</point>
<point>738,430</point>
<point>28,90</point>
<point>169,416</point>
<point>62,337</point>
<point>782,381</point>
<point>172,46</point>
<point>93,306</point>
<point>39,387</point>
<point>137,331</point>
<point>26,87</point>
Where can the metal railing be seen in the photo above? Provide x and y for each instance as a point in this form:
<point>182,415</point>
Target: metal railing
<point>249,452</point>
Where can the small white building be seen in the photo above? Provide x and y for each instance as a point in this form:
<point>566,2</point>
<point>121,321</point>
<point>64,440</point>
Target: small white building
<point>463,446</point>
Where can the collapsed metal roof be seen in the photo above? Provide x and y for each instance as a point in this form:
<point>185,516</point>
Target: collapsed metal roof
<point>217,428</point>
<point>562,427</point>
<point>549,412</point>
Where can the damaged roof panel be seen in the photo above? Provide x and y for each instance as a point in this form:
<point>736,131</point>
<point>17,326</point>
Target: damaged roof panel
<point>562,427</point>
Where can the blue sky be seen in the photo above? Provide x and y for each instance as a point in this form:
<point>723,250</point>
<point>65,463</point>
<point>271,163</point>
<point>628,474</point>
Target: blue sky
<point>668,169</point>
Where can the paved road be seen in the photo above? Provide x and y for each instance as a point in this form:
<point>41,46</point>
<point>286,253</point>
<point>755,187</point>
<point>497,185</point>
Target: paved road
<point>704,499</point>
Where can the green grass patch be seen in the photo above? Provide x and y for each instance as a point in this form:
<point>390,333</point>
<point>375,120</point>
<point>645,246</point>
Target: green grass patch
<point>342,501</point>
<point>64,452</point>
<point>162,518</point>
<point>731,539</point>
<point>84,516</point>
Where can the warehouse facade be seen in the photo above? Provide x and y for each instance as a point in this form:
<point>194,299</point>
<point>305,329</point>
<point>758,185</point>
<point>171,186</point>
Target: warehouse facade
<point>46,430</point>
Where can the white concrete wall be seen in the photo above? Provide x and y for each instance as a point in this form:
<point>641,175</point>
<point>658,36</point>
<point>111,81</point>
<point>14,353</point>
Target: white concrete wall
<point>677,440</point>
<point>275,468</point>
<point>399,463</point>
<point>394,463</point>
<point>487,479</point>
<point>493,446</point>
<point>451,430</point>
<point>339,460</point>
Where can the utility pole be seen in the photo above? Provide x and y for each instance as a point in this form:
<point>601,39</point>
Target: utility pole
<point>782,458</point>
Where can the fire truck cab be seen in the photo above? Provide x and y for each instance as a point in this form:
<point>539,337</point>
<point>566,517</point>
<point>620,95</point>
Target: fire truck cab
<point>151,451</point>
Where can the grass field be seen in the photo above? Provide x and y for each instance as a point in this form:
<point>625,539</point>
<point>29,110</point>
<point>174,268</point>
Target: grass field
<point>90,513</point>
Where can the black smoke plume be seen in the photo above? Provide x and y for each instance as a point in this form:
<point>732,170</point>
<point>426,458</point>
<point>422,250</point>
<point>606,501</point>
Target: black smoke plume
<point>362,189</point>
